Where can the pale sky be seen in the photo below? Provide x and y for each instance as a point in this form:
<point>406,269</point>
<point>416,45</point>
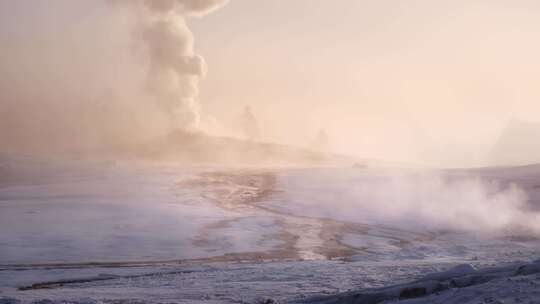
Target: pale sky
<point>412,80</point>
<point>423,81</point>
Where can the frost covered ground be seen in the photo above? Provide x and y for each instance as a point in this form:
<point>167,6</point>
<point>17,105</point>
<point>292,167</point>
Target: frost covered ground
<point>113,232</point>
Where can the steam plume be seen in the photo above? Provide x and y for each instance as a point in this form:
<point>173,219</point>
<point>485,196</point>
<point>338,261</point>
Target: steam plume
<point>173,68</point>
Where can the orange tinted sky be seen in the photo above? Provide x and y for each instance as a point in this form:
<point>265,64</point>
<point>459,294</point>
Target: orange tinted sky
<point>422,81</point>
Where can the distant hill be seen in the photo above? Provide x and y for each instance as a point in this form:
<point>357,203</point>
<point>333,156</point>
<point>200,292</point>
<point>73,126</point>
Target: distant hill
<point>519,144</point>
<point>196,147</point>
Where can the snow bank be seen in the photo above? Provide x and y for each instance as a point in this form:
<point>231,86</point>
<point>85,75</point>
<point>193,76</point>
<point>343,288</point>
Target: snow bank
<point>461,284</point>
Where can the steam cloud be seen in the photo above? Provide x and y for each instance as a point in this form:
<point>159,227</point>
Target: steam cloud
<point>422,200</point>
<point>466,203</point>
<point>174,70</point>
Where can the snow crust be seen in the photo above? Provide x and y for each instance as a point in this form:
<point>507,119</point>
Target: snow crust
<point>112,232</point>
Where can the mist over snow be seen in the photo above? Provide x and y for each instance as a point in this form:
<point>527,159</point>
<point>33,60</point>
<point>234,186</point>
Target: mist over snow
<point>433,200</point>
<point>266,151</point>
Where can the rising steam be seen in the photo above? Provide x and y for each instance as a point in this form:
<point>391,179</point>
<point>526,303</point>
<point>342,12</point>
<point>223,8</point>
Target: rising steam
<point>173,68</point>
<point>425,200</point>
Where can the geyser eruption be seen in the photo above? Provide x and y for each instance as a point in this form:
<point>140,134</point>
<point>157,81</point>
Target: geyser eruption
<point>173,68</point>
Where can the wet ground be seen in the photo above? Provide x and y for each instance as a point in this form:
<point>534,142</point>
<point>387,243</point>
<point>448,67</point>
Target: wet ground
<point>222,235</point>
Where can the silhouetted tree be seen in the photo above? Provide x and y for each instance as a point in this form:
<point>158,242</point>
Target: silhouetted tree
<point>249,124</point>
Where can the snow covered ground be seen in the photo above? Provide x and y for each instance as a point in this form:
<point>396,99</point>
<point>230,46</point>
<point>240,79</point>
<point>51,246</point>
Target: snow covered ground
<point>114,232</point>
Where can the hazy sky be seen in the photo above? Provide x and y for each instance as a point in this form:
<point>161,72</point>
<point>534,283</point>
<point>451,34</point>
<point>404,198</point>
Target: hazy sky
<point>421,80</point>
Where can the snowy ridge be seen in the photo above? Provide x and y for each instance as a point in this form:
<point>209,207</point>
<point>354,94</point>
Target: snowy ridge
<point>461,284</point>
<point>512,283</point>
